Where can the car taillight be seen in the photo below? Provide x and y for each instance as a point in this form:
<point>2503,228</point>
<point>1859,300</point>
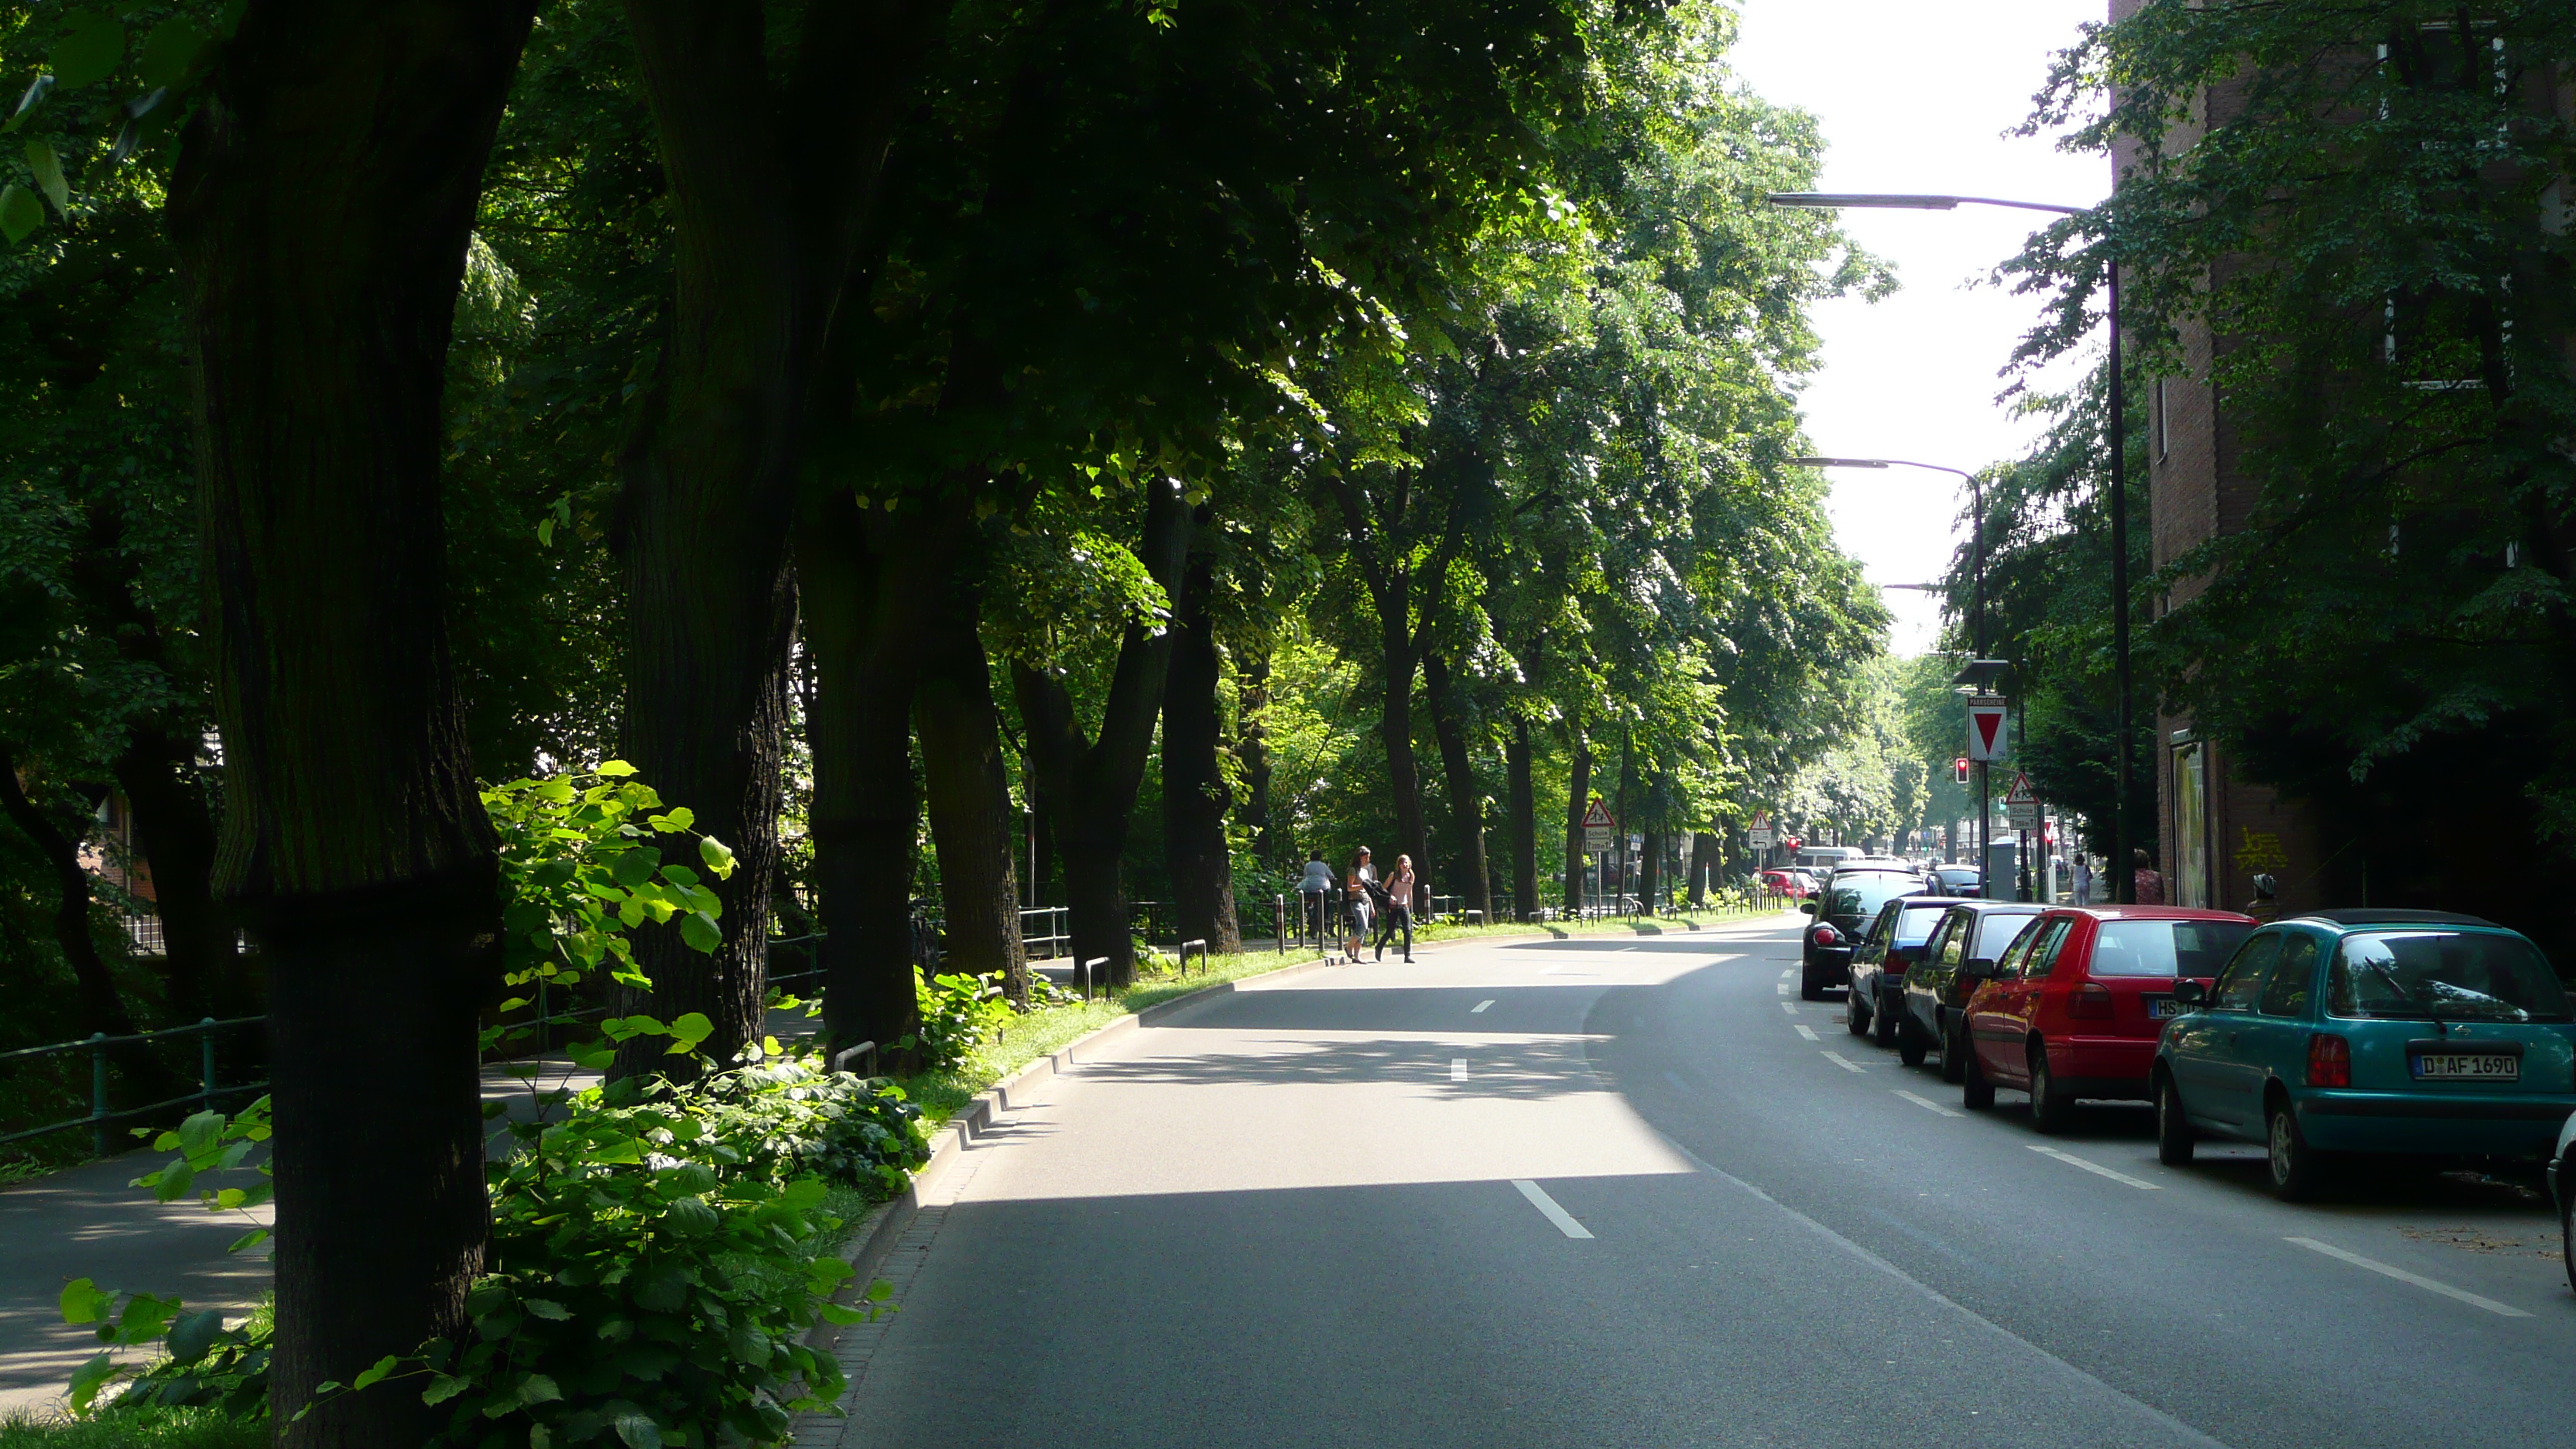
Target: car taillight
<point>2091,1002</point>
<point>2329,1061</point>
<point>1826,935</point>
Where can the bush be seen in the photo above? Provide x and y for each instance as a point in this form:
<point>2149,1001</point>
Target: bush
<point>957,1016</point>
<point>154,1429</point>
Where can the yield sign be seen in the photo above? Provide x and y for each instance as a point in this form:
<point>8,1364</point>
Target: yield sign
<point>1985,727</point>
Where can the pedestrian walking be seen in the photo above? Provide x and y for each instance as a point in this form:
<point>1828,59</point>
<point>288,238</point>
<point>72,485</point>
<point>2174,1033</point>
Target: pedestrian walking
<point>1314,895</point>
<point>2150,886</point>
<point>1362,879</point>
<point>2083,879</point>
<point>1398,911</point>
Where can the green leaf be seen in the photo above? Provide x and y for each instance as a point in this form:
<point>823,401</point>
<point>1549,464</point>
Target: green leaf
<point>194,1333</point>
<point>835,1313</point>
<point>616,768</point>
<point>20,213</point>
<point>88,1379</point>
<point>49,175</point>
<point>251,1239</point>
<point>374,1373</point>
<point>718,858</point>
<point>693,1027</point>
<point>84,1302</point>
<point>170,51</point>
<point>679,817</point>
<point>443,1387</point>
<point>174,1181</point>
<point>201,1133</point>
<point>700,933</point>
<point>546,531</point>
<point>639,1431</point>
<point>92,47</point>
<point>539,1389</point>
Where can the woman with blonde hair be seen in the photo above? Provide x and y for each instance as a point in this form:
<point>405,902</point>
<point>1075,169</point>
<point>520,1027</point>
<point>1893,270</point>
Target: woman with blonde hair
<point>1399,908</point>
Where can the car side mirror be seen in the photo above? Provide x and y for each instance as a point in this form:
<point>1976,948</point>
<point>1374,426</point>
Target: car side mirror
<point>2188,992</point>
<point>1808,906</point>
<point>1977,968</point>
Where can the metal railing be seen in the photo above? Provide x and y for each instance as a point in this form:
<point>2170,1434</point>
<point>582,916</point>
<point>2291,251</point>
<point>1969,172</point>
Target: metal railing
<point>98,1047</point>
<point>1059,932</point>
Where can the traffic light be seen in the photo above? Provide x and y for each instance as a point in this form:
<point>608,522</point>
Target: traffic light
<point>1959,770</point>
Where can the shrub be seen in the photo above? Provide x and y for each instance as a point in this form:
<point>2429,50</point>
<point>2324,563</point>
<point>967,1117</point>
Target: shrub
<point>957,1016</point>
<point>154,1429</point>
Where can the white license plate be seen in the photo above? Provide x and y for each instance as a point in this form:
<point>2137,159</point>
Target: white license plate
<point>2161,1007</point>
<point>2464,1067</point>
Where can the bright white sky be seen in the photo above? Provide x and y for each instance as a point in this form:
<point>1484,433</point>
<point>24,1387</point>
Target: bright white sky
<point>1916,97</point>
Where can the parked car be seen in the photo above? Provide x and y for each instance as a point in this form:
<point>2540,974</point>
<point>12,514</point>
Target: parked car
<point>1959,879</point>
<point>2370,1031</point>
<point>1793,884</point>
<point>2075,1007</point>
<point>1881,959</point>
<point>1843,907</point>
<point>2562,1188</point>
<point>1934,992</point>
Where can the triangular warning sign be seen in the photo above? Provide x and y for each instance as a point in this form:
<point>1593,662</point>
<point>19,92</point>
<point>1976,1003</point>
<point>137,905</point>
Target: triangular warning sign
<point>1598,816</point>
<point>2021,794</point>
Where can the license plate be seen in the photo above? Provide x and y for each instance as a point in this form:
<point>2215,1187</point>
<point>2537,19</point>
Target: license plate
<point>2466,1067</point>
<point>2161,1007</point>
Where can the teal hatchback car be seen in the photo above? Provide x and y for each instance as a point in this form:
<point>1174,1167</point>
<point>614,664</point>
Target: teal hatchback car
<point>2418,1033</point>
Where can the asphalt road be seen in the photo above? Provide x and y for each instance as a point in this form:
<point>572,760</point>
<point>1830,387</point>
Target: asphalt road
<point>1608,1192</point>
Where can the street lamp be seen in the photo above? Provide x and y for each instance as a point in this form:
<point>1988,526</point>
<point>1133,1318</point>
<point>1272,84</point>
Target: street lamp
<point>2124,879</point>
<point>1977,660</point>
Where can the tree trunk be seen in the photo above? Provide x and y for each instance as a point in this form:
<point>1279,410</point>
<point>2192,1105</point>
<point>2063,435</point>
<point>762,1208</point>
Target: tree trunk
<point>176,833</point>
<point>102,1009</point>
<point>1395,727</point>
<point>971,821</point>
<point>1252,749</point>
<point>1516,764</point>
<point>1195,797</point>
<point>1704,866</point>
<point>1578,795</point>
<point>1474,881</point>
<point>321,205</point>
<point>1089,787</point>
<point>1650,870</point>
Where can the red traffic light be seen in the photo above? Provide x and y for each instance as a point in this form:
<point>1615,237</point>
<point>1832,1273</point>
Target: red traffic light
<point>1959,770</point>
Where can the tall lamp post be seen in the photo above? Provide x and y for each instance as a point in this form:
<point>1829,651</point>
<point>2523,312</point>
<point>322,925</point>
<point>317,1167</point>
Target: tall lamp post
<point>1977,617</point>
<point>2124,879</point>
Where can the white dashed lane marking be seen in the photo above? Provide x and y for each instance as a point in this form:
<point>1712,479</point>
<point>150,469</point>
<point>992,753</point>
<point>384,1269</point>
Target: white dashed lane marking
<point>1844,1062</point>
<point>2097,1169</point>
<point>1808,1032</point>
<point>1539,1199</point>
<point>1926,1103</point>
<point>1457,1069</point>
<point>1479,1006</point>
<point>2429,1285</point>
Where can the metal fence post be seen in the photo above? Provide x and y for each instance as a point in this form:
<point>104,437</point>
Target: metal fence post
<point>98,1091</point>
<point>206,1064</point>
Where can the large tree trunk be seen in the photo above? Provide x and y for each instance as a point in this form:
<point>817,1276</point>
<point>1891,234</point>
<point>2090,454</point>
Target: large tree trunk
<point>1252,748</point>
<point>1195,797</point>
<point>102,1009</point>
<point>176,833</point>
<point>771,192</point>
<point>1704,866</point>
<point>1089,787</point>
<point>1650,870</point>
<point>1395,728</point>
<point>353,837</point>
<point>1516,764</point>
<point>1578,795</point>
<point>971,821</point>
<point>1458,768</point>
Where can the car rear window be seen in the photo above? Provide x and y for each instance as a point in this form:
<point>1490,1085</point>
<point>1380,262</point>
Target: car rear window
<point>2445,975</point>
<point>1996,929</point>
<point>1862,896</point>
<point>1914,924</point>
<point>2165,948</point>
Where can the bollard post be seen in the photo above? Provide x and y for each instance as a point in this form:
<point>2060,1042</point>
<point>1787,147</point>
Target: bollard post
<point>1088,971</point>
<point>206,1064</point>
<point>1203,956</point>
<point>98,1091</point>
<point>1279,922</point>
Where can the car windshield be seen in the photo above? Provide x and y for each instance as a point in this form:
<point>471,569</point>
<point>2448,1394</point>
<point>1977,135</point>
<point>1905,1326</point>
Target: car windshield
<point>2165,948</point>
<point>1914,924</point>
<point>1996,929</point>
<point>2444,975</point>
<point>1861,896</point>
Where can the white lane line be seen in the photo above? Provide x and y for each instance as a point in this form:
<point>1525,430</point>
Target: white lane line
<point>1479,1006</point>
<point>1808,1032</point>
<point>1926,1103</point>
<point>1780,986</point>
<point>1789,1007</point>
<point>2401,1275</point>
<point>1539,1199</point>
<point>1792,971</point>
<point>2071,1160</point>
<point>1457,1069</point>
<point>1844,1062</point>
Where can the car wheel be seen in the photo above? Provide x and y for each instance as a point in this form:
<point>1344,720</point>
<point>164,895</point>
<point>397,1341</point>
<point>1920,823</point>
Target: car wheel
<point>2567,1230</point>
<point>1856,1012</point>
<point>2050,1109</point>
<point>1911,1045</point>
<point>1954,1052</point>
<point>1975,1092</point>
<point>1887,1023</point>
<point>2174,1133</point>
<point>2298,1170</point>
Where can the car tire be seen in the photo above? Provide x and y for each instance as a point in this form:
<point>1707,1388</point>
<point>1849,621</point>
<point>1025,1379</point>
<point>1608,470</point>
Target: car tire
<point>1976,1093</point>
<point>2051,1110</point>
<point>2175,1136</point>
<point>1855,1012</point>
<point>2567,1230</point>
<point>1954,1052</point>
<point>1887,1023</point>
<point>2298,1170</point>
<point>1911,1046</point>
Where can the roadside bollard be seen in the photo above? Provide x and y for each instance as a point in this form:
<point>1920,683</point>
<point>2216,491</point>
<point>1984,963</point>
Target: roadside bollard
<point>1084,974</point>
<point>1203,956</point>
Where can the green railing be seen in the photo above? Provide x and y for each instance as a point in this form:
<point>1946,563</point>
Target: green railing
<point>99,1046</point>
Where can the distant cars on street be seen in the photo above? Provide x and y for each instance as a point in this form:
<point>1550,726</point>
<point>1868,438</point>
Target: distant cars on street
<point>1958,880</point>
<point>2370,1031</point>
<point>1843,907</point>
<point>1886,951</point>
<point>2075,1005</point>
<point>1793,884</point>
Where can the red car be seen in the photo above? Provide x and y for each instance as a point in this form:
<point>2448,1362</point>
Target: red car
<point>2074,1006</point>
<point>1785,882</point>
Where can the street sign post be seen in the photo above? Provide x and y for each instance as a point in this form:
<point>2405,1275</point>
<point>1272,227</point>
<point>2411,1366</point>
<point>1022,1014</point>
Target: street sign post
<point>1986,727</point>
<point>1598,828</point>
<point>2021,806</point>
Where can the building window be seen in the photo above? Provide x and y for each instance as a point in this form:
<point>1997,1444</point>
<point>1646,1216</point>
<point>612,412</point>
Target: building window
<point>2187,879</point>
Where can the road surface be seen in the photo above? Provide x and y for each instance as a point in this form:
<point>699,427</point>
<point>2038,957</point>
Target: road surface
<point>1634,1192</point>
